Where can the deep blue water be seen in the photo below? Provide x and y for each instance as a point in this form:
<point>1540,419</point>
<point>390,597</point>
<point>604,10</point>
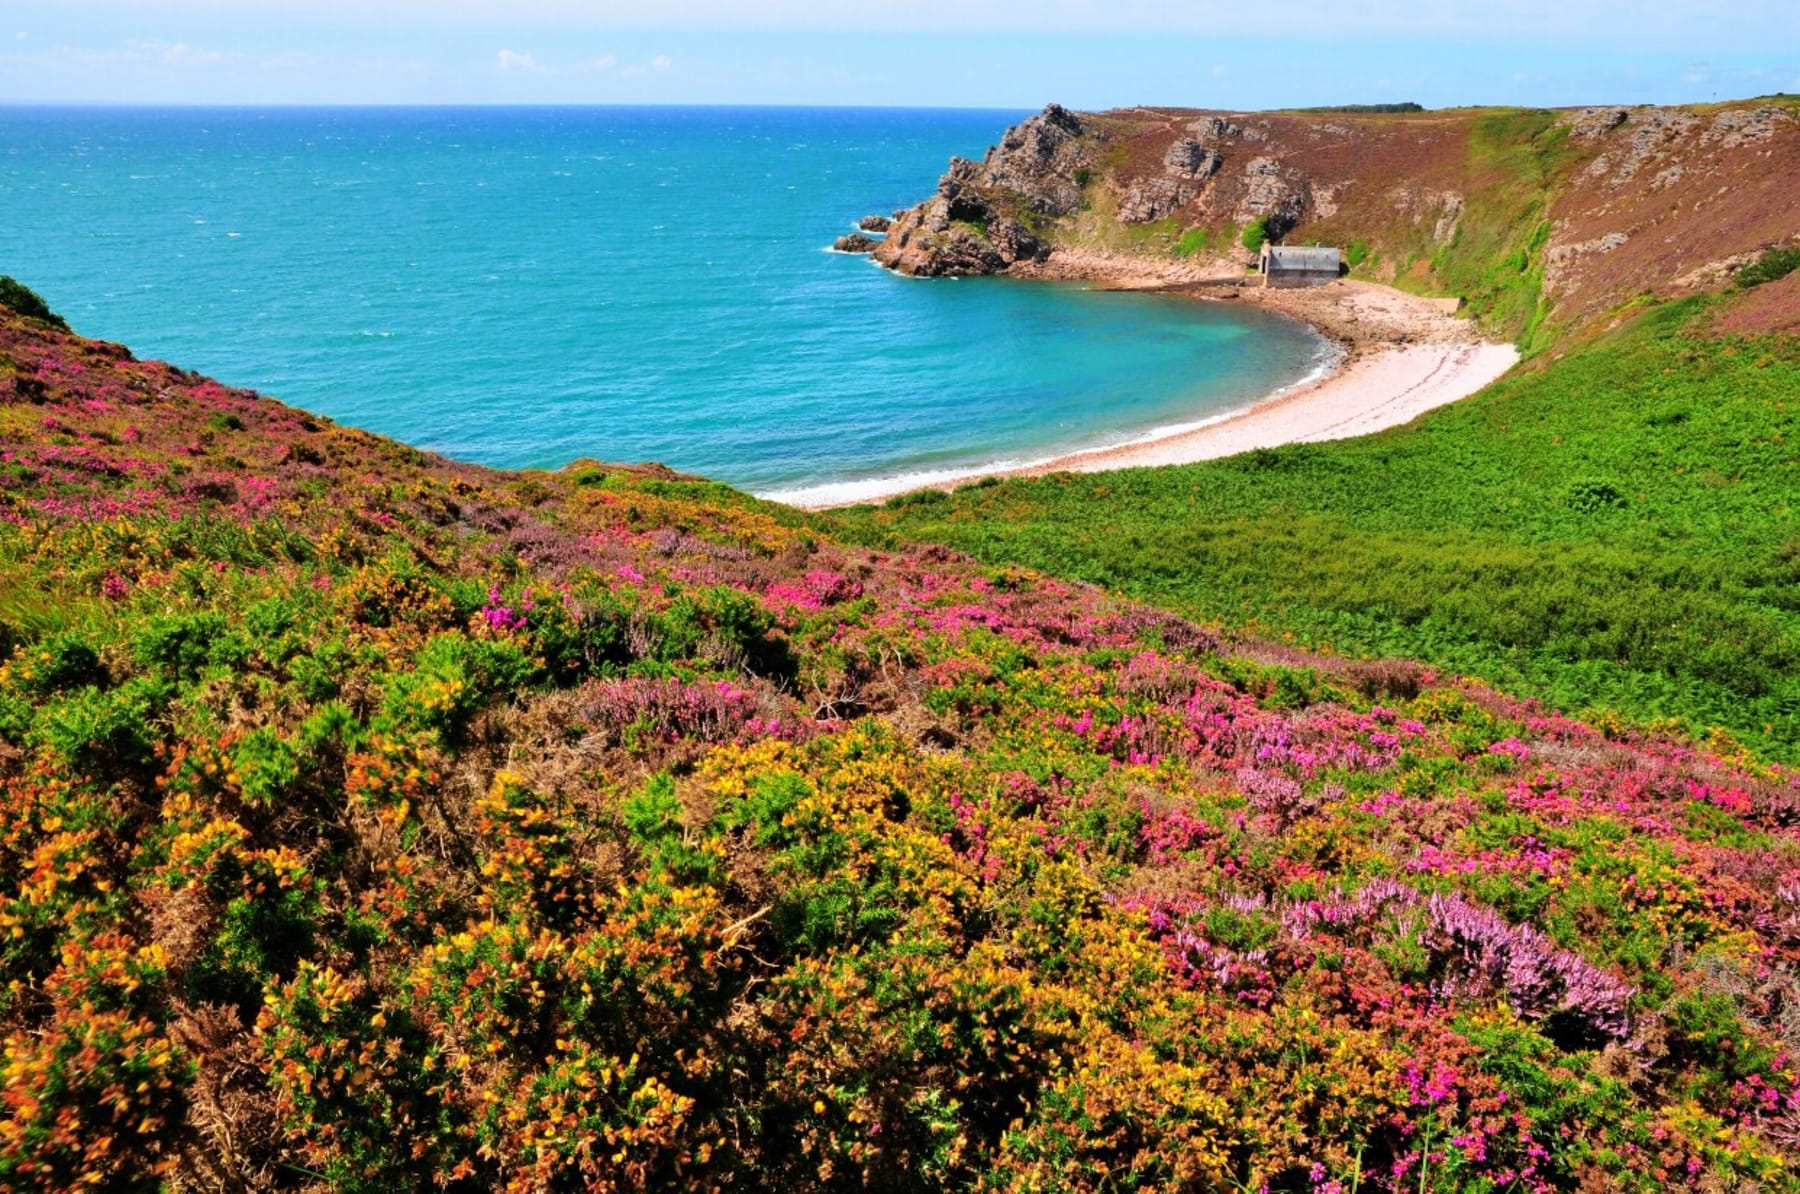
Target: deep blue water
<point>522,287</point>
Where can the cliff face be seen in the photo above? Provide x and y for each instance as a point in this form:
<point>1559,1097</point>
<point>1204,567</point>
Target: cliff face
<point>1535,217</point>
<point>982,219</point>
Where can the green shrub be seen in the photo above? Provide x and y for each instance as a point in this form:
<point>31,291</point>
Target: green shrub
<point>17,297</point>
<point>1772,266</point>
<point>1255,234</point>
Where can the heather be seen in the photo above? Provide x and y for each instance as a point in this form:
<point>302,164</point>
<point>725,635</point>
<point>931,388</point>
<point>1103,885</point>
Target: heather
<point>373,822</point>
<point>1611,530</point>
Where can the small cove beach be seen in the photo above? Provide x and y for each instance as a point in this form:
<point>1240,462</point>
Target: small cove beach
<point>1401,355</point>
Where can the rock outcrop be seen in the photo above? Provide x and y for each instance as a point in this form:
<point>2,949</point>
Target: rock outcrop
<point>1275,194</point>
<point>875,223</point>
<point>979,220</point>
<point>1187,166</point>
<point>854,242</point>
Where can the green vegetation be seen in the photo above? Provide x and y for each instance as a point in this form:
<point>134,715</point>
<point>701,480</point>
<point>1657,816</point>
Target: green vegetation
<point>1193,241</point>
<point>1615,530</point>
<point>16,296</point>
<point>1495,257</point>
<point>1772,266</point>
<point>1256,234</point>
<point>370,822</point>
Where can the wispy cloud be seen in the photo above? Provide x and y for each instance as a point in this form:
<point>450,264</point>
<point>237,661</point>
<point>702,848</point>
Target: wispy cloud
<point>181,54</point>
<point>515,62</point>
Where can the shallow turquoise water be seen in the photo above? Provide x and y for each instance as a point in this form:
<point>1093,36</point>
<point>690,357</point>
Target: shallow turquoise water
<point>523,287</point>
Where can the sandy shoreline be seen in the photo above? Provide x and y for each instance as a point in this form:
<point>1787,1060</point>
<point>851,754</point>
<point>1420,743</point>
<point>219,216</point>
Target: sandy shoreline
<point>1402,356</point>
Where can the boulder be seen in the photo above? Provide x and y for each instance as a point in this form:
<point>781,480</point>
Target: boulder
<point>875,223</point>
<point>854,242</point>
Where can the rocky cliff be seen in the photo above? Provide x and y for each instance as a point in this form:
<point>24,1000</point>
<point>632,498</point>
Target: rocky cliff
<point>1538,218</point>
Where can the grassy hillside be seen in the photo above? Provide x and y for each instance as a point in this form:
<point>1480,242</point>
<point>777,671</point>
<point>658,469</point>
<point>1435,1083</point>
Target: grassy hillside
<point>371,822</point>
<point>1614,529</point>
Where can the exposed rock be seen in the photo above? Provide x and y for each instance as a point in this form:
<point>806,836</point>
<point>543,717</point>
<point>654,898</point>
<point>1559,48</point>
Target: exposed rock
<point>1192,159</point>
<point>1038,160</point>
<point>1015,242</point>
<point>1560,261</point>
<point>1711,274</point>
<point>961,170</point>
<point>1273,193</point>
<point>1215,128</point>
<point>1589,124</point>
<point>1448,217</point>
<point>854,242</point>
<point>1443,208</point>
<point>875,223</point>
<point>956,200</point>
<point>1745,126</point>
<point>1651,133</point>
<point>1154,198</point>
<point>972,224</point>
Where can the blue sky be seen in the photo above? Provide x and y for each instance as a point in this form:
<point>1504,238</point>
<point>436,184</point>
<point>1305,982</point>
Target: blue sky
<point>955,53</point>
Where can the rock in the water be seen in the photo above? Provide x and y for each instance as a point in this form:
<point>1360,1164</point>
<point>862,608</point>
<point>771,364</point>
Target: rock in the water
<point>854,242</point>
<point>875,223</point>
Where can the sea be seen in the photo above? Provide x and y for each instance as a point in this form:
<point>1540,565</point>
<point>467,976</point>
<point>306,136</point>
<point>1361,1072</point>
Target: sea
<point>524,287</point>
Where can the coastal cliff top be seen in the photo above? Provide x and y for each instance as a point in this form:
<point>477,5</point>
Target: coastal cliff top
<point>1542,220</point>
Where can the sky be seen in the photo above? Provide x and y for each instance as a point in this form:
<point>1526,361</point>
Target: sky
<point>924,53</point>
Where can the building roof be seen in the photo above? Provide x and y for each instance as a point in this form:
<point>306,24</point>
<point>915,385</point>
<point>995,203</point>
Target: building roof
<point>1302,257</point>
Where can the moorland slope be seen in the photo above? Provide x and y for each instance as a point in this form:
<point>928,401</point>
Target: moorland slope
<point>370,821</point>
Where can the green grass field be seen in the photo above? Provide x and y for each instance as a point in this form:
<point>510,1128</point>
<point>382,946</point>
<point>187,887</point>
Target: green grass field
<point>1612,529</point>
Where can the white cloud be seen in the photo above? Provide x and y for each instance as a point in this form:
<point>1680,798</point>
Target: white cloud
<point>512,61</point>
<point>602,64</point>
<point>181,54</point>
<point>661,62</point>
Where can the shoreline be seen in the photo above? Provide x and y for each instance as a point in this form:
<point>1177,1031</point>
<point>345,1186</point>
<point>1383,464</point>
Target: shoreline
<point>1400,355</point>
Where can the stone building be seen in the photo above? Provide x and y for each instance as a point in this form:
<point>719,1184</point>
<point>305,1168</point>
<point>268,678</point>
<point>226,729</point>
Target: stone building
<point>1299,265</point>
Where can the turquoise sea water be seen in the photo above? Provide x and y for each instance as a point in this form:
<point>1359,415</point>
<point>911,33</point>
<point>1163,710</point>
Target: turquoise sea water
<point>522,287</point>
